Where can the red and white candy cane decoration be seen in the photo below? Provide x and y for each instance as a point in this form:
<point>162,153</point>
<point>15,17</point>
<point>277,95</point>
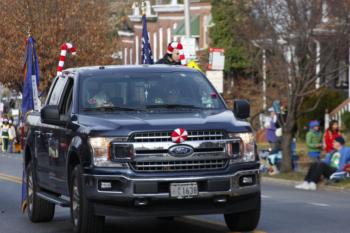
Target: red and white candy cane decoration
<point>177,45</point>
<point>64,48</point>
<point>179,135</point>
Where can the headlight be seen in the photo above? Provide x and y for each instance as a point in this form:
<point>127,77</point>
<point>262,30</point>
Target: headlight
<point>101,151</point>
<point>247,148</point>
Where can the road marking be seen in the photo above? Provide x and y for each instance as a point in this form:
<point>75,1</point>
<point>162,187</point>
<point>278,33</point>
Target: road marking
<point>318,204</point>
<point>265,196</point>
<point>12,156</point>
<point>14,179</point>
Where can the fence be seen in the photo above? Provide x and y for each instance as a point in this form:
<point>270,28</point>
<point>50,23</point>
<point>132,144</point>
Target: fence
<point>337,112</point>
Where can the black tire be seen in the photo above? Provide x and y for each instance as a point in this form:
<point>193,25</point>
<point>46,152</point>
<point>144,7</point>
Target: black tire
<point>39,210</point>
<point>244,221</point>
<point>82,214</point>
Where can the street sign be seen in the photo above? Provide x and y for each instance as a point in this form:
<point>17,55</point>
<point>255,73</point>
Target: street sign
<point>216,59</point>
<point>189,47</point>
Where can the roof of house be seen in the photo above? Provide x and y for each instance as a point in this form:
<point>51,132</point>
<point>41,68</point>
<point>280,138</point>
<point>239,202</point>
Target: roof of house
<point>180,29</point>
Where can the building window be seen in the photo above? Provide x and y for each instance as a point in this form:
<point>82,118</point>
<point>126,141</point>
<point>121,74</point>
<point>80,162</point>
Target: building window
<point>155,46</point>
<point>137,50</point>
<point>125,56</point>
<point>160,42</point>
<point>168,35</point>
<point>131,62</point>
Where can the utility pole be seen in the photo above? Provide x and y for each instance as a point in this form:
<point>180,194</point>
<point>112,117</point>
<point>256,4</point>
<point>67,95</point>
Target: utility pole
<point>187,18</point>
<point>349,74</point>
<point>264,78</point>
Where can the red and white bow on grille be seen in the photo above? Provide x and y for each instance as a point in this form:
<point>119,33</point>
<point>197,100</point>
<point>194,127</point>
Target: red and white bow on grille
<point>179,135</point>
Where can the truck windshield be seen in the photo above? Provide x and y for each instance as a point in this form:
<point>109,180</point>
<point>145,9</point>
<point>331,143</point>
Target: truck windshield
<point>142,91</point>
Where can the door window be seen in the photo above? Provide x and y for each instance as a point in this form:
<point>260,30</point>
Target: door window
<point>57,91</point>
<point>66,107</point>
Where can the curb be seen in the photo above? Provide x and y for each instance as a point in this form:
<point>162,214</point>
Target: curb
<point>292,183</point>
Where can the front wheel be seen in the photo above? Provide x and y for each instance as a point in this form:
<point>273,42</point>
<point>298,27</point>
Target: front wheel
<point>244,221</point>
<point>82,215</point>
<point>39,210</point>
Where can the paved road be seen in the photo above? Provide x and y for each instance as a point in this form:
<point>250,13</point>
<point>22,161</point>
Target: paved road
<point>284,210</point>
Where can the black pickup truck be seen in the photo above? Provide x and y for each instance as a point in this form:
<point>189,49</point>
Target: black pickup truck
<point>140,141</point>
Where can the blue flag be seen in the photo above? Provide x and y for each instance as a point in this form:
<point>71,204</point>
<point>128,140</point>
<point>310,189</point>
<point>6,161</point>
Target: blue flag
<point>29,97</point>
<point>146,54</point>
<point>31,78</point>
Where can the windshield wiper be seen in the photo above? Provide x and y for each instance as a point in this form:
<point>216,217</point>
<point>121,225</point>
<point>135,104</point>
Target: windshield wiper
<point>109,108</point>
<point>170,106</point>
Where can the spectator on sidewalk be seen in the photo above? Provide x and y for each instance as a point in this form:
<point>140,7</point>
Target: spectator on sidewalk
<point>334,162</point>
<point>271,128</point>
<point>5,135</point>
<point>314,141</point>
<point>331,133</point>
<point>12,136</point>
<point>281,116</point>
<point>275,154</point>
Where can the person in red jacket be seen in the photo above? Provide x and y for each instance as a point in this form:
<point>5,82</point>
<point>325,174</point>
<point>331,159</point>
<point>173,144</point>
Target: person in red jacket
<point>331,133</point>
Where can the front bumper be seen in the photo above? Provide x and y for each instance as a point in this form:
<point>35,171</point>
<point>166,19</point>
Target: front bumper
<point>150,196</point>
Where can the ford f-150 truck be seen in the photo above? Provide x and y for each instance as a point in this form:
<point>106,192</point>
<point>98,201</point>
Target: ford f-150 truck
<point>140,141</point>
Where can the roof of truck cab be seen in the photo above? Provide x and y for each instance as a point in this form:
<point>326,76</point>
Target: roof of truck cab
<point>92,70</point>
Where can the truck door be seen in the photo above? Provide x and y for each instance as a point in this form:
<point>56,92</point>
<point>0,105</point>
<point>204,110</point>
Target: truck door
<point>62,137</point>
<point>48,154</point>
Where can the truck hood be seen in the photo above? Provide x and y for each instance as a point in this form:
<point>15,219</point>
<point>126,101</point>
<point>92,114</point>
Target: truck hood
<point>124,123</point>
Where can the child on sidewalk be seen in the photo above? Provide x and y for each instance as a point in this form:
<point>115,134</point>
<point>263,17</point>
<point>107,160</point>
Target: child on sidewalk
<point>314,141</point>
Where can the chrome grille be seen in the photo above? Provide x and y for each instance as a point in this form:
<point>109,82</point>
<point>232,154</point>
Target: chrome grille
<point>183,165</point>
<point>194,135</point>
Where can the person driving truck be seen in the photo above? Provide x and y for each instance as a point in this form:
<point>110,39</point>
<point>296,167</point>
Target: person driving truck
<point>94,94</point>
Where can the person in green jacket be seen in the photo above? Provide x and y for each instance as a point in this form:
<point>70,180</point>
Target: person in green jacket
<point>5,135</point>
<point>314,141</point>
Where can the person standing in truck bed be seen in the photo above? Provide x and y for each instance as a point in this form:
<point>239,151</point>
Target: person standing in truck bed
<point>174,55</point>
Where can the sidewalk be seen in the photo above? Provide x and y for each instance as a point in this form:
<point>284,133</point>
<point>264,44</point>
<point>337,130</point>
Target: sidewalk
<point>343,186</point>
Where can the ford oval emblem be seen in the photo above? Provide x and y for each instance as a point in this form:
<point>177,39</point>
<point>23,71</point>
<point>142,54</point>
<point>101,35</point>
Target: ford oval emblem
<point>180,151</point>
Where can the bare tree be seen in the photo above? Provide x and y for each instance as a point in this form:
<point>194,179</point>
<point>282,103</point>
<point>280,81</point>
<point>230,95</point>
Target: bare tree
<point>305,40</point>
<point>51,23</point>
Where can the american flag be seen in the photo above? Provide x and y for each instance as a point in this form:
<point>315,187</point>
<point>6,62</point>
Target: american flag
<point>146,54</point>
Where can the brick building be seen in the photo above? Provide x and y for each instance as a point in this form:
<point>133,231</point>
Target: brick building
<point>165,22</point>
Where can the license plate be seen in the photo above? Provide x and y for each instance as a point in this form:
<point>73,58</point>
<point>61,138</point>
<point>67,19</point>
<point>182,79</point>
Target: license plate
<point>183,190</point>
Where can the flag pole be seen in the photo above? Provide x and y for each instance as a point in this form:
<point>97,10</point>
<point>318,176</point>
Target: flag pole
<point>28,32</point>
<point>143,7</point>
<point>146,55</point>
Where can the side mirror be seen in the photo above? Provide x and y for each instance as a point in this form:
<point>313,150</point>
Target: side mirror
<point>51,115</point>
<point>241,109</point>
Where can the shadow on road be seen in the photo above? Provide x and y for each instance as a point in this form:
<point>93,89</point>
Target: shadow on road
<point>183,225</point>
